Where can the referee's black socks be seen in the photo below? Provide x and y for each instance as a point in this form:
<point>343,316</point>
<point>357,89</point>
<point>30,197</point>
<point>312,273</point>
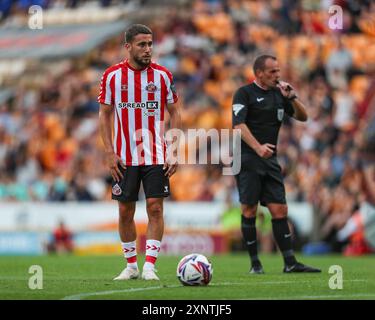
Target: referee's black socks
<point>249,234</point>
<point>283,238</point>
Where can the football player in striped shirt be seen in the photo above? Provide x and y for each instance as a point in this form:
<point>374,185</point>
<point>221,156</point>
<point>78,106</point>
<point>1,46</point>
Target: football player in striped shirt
<point>134,95</point>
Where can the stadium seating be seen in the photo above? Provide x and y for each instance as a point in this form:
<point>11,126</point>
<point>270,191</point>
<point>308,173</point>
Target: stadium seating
<point>49,140</point>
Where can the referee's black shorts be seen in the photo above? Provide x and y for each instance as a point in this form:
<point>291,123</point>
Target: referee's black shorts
<point>155,183</point>
<point>260,180</point>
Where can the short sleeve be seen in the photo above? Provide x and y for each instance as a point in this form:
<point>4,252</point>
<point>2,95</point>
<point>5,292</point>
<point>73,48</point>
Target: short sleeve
<point>172,96</point>
<point>239,107</point>
<point>289,110</point>
<point>106,85</point>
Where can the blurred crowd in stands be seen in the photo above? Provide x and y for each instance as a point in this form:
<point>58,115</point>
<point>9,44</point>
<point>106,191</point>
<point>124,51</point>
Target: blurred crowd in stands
<point>9,8</point>
<point>50,149</point>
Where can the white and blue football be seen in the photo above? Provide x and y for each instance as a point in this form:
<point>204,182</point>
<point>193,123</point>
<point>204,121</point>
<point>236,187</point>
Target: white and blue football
<point>194,270</point>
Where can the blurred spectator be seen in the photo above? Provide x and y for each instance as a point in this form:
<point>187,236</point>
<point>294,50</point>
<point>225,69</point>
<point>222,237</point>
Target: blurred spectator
<point>62,240</point>
<point>338,65</point>
<point>359,229</point>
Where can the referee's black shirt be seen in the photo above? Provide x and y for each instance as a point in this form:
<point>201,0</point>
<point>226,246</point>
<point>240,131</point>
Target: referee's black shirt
<point>262,111</point>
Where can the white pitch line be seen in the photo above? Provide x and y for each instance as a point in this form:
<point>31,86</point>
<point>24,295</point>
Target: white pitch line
<point>80,296</point>
<point>102,293</point>
<point>334,296</point>
<point>340,296</point>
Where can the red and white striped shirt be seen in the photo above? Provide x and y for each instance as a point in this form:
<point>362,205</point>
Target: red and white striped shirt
<point>139,98</point>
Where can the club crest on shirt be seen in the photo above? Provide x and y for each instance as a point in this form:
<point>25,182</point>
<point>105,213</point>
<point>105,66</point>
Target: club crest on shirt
<point>280,114</point>
<point>151,87</point>
<point>124,87</point>
<point>116,190</point>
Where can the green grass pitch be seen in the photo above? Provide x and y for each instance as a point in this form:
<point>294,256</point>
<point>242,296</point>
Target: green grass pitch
<point>90,277</point>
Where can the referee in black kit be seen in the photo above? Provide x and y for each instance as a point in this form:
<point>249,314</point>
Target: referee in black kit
<point>258,111</point>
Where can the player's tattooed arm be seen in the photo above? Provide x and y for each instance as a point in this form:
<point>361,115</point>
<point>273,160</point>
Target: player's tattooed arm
<point>175,115</point>
<point>105,125</point>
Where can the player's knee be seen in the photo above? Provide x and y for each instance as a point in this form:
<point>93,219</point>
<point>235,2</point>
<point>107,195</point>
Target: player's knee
<point>126,212</point>
<point>154,210</point>
<point>279,215</point>
<point>279,211</point>
<point>126,218</point>
<point>249,211</point>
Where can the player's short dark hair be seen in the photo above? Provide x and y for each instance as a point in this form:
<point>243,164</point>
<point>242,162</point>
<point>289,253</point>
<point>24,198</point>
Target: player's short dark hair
<point>260,62</point>
<point>134,30</point>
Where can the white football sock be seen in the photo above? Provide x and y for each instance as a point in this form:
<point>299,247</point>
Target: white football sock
<point>130,254</point>
<point>152,251</point>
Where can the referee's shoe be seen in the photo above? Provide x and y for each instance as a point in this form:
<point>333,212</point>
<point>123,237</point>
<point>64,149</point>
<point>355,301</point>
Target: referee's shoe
<point>300,267</point>
<point>256,268</point>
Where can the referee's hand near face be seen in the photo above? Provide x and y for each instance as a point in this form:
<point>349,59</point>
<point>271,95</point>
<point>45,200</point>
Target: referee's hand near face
<point>258,109</point>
